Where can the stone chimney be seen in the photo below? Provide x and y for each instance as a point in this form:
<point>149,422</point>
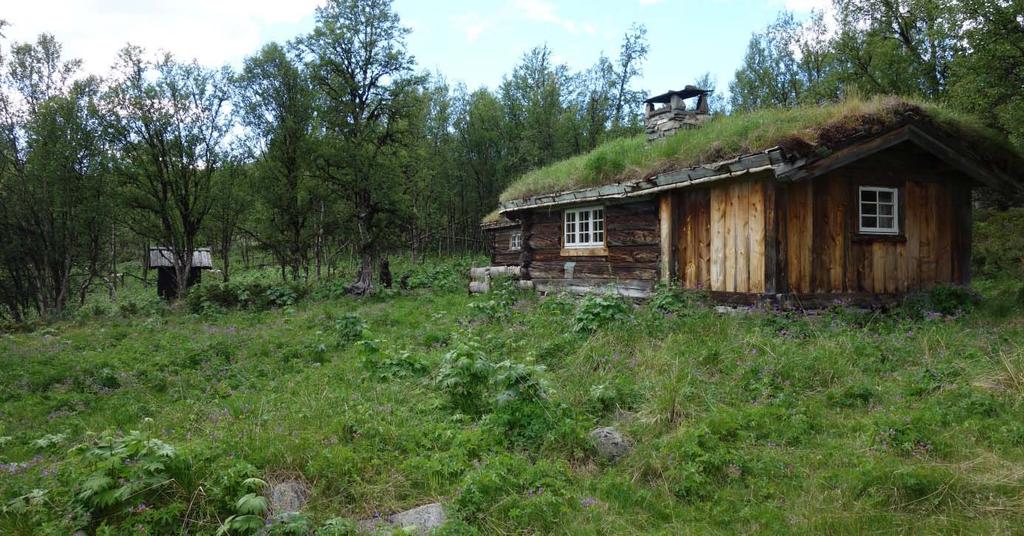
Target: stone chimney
<point>673,115</point>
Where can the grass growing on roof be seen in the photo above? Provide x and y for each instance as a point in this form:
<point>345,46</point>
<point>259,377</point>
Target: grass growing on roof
<point>728,136</point>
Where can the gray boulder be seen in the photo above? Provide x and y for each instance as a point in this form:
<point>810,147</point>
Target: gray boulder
<point>425,518</point>
<point>422,519</point>
<point>610,444</point>
<point>288,496</point>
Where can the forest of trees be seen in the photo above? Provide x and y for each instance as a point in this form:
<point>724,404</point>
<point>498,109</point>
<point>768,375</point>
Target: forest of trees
<point>336,145</point>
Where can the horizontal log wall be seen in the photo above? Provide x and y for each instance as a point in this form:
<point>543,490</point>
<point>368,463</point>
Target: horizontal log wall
<point>631,262</point>
<point>499,242</point>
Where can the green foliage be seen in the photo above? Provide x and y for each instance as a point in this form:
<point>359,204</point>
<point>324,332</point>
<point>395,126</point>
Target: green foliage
<point>596,311</point>
<point>125,470</point>
<point>998,242</point>
<point>349,328</point>
<point>671,299</point>
<point>464,375</point>
<point>249,510</point>
<point>510,493</point>
<point>941,300</point>
<point>254,296</point>
<point>883,422</point>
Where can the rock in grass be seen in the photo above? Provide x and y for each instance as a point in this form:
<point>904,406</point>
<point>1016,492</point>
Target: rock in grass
<point>610,443</point>
<point>419,520</point>
<point>288,496</point>
<point>425,518</point>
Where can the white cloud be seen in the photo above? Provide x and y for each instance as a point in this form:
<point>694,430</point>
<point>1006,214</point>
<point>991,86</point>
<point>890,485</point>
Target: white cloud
<point>472,24</point>
<point>213,32</point>
<point>547,12</point>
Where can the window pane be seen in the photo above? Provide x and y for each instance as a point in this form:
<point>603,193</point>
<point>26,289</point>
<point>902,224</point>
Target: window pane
<point>885,222</point>
<point>868,195</point>
<point>869,209</point>
<point>868,222</point>
<point>885,210</point>
<point>885,197</point>
<point>584,230</point>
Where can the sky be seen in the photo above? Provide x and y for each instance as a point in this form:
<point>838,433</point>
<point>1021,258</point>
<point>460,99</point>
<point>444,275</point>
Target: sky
<point>475,42</point>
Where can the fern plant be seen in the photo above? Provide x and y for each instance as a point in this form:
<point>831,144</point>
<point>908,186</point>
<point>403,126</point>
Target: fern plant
<point>126,470</point>
<point>249,510</point>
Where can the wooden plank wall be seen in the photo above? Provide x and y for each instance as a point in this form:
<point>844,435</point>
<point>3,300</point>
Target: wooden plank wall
<point>721,237</point>
<point>825,254</point>
<point>500,239</point>
<point>632,260</point>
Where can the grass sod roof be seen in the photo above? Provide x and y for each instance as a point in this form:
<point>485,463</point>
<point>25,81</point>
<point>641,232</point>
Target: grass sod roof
<point>799,132</point>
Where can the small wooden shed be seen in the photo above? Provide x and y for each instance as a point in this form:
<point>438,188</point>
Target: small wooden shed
<point>875,207</point>
<point>162,259</point>
<point>504,239</point>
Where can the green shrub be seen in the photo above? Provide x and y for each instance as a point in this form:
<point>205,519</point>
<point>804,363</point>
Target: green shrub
<point>497,304</point>
<point>349,328</point>
<point>692,464</point>
<point>941,300</point>
<point>464,376</point>
<point>998,242</point>
<point>596,311</point>
<point>123,471</point>
<point>520,405</point>
<point>389,365</point>
<point>670,299</point>
<point>207,298</point>
<point>508,494</point>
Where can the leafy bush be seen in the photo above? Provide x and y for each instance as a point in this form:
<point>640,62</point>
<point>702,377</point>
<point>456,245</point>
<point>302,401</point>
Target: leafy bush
<point>692,464</point>
<point>941,300</point>
<point>249,510</point>
<point>520,401</point>
<point>349,328</point>
<point>998,242</point>
<point>464,375</point>
<point>125,471</point>
<point>389,364</point>
<point>670,299</point>
<point>254,296</point>
<point>599,310</point>
<point>497,304</point>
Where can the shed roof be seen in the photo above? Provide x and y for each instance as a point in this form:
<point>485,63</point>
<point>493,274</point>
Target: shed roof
<point>162,257</point>
<point>685,93</point>
<point>496,220</point>
<point>793,143</point>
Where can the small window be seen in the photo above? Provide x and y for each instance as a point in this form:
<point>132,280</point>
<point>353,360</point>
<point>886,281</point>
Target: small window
<point>584,227</point>
<point>879,210</point>
<point>515,242</point>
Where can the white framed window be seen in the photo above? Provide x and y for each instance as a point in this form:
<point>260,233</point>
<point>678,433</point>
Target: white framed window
<point>515,241</point>
<point>583,227</point>
<point>879,210</point>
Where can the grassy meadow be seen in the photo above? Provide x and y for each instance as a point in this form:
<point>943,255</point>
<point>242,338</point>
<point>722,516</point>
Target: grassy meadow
<point>137,418</point>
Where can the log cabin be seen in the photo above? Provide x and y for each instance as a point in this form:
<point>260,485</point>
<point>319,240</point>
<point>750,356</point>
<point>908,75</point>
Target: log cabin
<point>859,202</point>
